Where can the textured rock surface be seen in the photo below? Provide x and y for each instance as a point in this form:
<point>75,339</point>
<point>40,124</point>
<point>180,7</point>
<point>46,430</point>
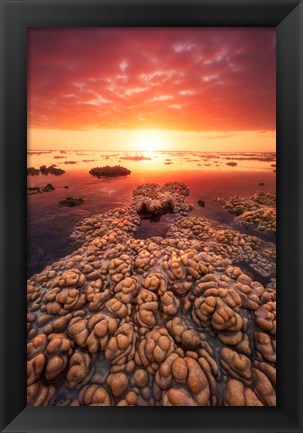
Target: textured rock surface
<point>257,212</point>
<point>152,199</point>
<point>156,322</point>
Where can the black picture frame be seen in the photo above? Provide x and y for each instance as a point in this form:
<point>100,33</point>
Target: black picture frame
<point>16,17</point>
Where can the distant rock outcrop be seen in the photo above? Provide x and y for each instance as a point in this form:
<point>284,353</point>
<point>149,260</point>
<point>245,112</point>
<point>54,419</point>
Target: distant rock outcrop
<point>108,171</point>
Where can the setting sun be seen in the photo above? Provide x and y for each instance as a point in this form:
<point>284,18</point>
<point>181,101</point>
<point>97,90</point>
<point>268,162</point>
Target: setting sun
<point>150,141</point>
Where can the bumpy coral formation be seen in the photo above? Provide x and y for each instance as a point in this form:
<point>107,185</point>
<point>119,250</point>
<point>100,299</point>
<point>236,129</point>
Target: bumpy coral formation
<point>152,199</point>
<point>202,234</point>
<point>156,322</point>
<point>257,212</point>
<point>121,220</point>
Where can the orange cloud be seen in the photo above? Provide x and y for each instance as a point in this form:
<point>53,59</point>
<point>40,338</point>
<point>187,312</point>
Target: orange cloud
<point>194,79</point>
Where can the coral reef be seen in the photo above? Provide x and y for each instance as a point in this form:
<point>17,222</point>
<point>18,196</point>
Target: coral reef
<point>48,187</point>
<point>33,171</point>
<point>36,189</point>
<point>257,212</point>
<point>52,169</point>
<point>108,171</point>
<point>156,322</point>
<point>208,236</point>
<point>151,199</point>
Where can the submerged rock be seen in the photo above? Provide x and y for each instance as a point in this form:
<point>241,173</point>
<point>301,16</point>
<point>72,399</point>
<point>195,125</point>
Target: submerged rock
<point>36,189</point>
<point>49,187</point>
<point>72,201</point>
<point>33,190</point>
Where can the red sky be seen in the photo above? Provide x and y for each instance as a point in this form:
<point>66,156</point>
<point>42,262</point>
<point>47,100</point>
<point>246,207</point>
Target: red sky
<point>187,79</point>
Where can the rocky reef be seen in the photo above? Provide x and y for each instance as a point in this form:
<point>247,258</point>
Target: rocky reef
<point>168,321</point>
<point>33,171</point>
<point>151,199</point>
<point>257,212</point>
<point>52,169</point>
<point>36,189</point>
<point>108,171</point>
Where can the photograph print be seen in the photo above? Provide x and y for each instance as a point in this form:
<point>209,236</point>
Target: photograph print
<point>151,204</point>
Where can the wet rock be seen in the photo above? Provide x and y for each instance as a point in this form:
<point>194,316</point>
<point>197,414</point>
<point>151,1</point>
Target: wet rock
<point>183,334</point>
<point>154,348</point>
<point>236,394</point>
<point>72,201</point>
<point>52,169</point>
<point>121,347</point>
<point>78,369</point>
<point>94,395</point>
<point>118,383</point>
<point>49,187</point>
<point>33,190</point>
<point>39,394</point>
<point>33,171</point>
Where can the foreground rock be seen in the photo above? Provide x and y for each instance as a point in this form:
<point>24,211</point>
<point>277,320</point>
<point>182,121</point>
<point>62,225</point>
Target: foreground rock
<point>156,322</point>
<point>205,235</point>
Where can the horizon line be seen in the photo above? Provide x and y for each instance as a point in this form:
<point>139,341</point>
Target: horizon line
<point>147,151</point>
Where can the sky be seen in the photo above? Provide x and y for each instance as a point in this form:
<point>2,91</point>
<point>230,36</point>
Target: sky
<point>152,89</point>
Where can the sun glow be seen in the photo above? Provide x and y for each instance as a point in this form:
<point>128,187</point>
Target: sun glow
<point>150,141</point>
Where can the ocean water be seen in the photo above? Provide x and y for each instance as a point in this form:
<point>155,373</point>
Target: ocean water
<point>207,175</point>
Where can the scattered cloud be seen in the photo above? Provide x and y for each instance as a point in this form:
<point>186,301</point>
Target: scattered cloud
<point>176,106</point>
<point>208,78</point>
<point>160,98</point>
<point>135,90</point>
<point>99,100</point>
<point>188,92</point>
<point>214,79</point>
